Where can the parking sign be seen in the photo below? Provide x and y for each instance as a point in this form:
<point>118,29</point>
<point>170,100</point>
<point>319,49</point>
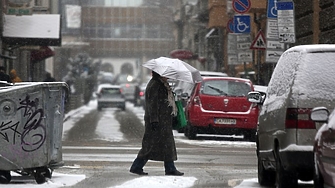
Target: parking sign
<point>272,9</point>
<point>242,24</point>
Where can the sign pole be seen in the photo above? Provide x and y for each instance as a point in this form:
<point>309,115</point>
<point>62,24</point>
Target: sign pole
<point>245,70</point>
<point>258,67</point>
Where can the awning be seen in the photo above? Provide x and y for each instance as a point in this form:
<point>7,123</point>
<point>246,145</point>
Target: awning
<point>7,57</point>
<point>36,29</point>
<point>41,54</point>
<point>212,33</point>
<point>74,44</point>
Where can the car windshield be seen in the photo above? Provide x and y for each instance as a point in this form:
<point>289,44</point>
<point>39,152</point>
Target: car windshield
<point>110,91</point>
<point>225,87</point>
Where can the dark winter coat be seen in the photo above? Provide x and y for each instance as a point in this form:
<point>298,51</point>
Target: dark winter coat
<point>158,145</point>
<point>5,77</point>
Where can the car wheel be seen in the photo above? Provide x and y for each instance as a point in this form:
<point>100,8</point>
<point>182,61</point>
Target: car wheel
<point>5,177</point>
<point>186,131</point>
<point>265,177</point>
<point>99,108</point>
<point>181,130</point>
<point>284,178</point>
<point>318,179</point>
<point>191,132</point>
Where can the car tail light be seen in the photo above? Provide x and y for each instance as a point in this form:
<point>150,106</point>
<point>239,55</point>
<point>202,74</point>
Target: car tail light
<point>141,93</point>
<point>127,85</point>
<point>299,118</point>
<point>121,91</point>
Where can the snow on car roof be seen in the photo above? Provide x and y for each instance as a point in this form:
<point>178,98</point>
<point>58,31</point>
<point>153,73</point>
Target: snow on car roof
<point>313,48</point>
<point>107,86</point>
<point>212,73</point>
<point>226,78</point>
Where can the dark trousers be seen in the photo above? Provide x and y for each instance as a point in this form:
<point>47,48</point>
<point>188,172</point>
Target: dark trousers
<point>139,164</point>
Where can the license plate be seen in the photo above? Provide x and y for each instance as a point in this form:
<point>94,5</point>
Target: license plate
<point>225,121</point>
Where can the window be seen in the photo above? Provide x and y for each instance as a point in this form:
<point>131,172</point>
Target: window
<point>110,91</point>
<point>226,88</point>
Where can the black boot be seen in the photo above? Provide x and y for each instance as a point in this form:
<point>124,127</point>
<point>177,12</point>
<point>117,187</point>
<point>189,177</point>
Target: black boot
<point>138,171</point>
<point>137,166</point>
<point>171,170</point>
<point>174,173</point>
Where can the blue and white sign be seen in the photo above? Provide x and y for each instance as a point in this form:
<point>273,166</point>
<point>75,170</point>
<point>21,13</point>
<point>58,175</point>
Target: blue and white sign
<point>230,25</point>
<point>286,23</point>
<point>272,9</point>
<point>285,5</point>
<point>242,24</point>
<point>241,6</point>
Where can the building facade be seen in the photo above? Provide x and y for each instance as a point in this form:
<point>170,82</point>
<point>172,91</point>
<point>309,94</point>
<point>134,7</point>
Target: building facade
<point>120,34</point>
<point>29,56</point>
<point>206,33</point>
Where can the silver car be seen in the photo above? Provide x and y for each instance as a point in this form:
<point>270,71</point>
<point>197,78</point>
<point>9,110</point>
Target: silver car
<point>302,79</point>
<point>110,96</point>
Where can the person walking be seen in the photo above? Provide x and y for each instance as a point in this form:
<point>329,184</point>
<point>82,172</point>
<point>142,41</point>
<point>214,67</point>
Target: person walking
<point>14,77</point>
<point>158,142</point>
<point>3,75</point>
<point>49,78</point>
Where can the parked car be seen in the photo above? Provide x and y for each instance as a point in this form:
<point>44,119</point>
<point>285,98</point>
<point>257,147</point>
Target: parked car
<point>219,105</point>
<point>324,144</point>
<point>302,79</point>
<point>186,87</point>
<point>110,96</point>
<point>183,90</point>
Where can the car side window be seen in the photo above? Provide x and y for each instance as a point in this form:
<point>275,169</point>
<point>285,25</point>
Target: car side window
<point>239,89</point>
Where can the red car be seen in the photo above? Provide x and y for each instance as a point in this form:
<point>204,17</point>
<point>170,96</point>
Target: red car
<point>219,105</point>
<point>324,148</point>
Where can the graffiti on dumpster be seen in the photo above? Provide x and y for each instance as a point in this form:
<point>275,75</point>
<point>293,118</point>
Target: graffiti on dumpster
<point>32,134</point>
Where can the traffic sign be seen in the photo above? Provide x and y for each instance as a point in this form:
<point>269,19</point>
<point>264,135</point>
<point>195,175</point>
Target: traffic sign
<point>242,24</point>
<point>285,20</point>
<point>272,29</point>
<point>259,42</point>
<point>272,56</point>
<point>244,56</point>
<point>275,44</point>
<point>230,25</point>
<point>241,6</point>
<point>272,9</point>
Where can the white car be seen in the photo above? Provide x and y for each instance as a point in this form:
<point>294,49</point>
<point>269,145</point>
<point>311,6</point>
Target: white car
<point>302,80</point>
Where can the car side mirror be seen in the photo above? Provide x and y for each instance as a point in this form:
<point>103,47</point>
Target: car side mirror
<point>256,97</point>
<point>320,114</point>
